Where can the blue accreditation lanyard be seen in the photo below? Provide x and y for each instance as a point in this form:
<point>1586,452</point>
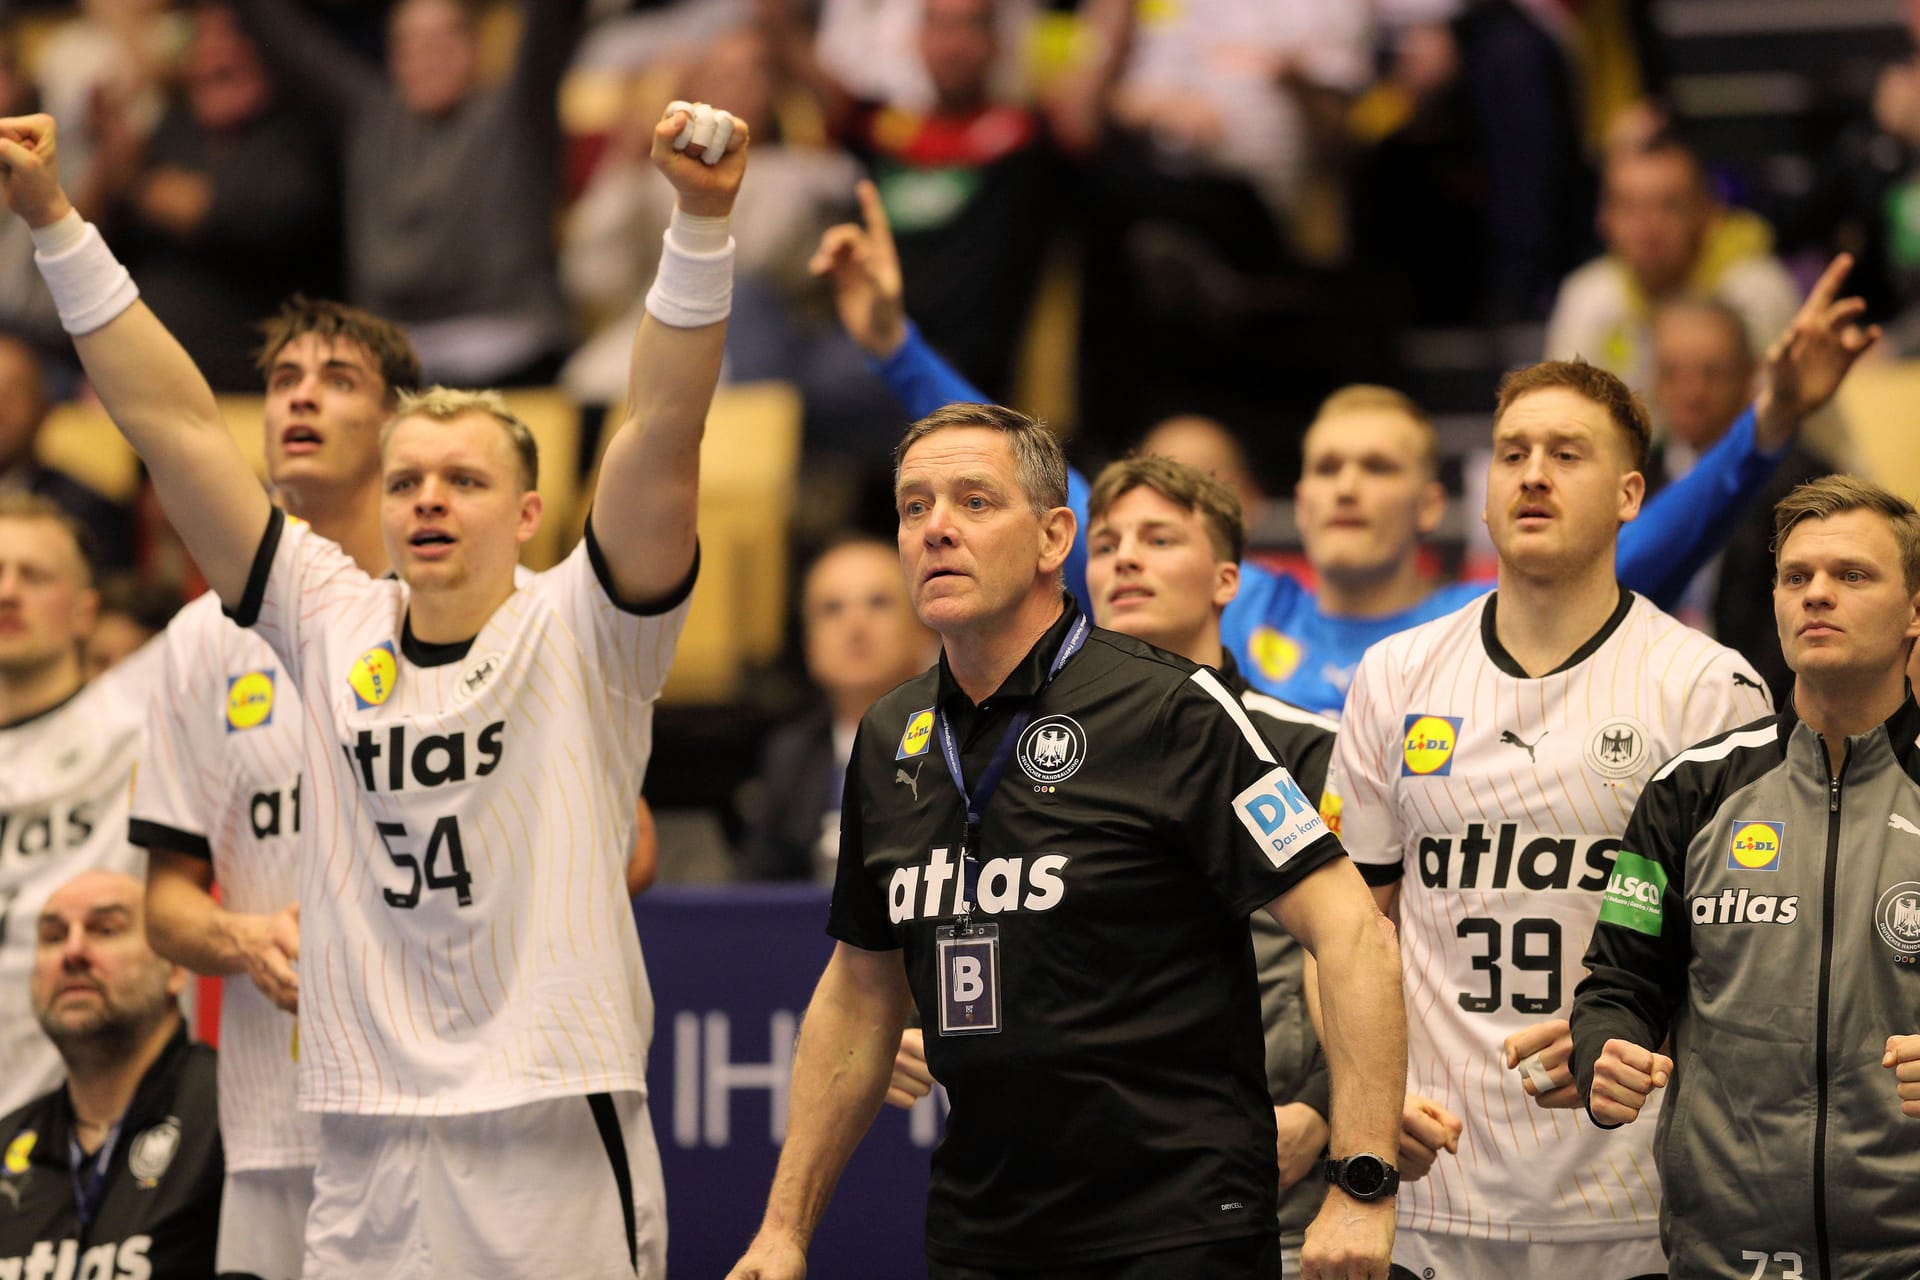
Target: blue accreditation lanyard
<point>90,1188</point>
<point>975,801</point>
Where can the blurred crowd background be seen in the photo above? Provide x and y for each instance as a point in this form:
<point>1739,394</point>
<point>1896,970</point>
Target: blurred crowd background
<point>1116,214</point>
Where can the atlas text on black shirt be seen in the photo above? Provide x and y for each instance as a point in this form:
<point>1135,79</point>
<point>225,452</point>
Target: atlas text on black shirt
<point>1123,1106</point>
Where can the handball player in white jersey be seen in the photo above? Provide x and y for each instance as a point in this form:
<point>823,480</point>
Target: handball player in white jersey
<point>224,794</point>
<point>68,749</point>
<point>1486,765</point>
<point>474,1014</point>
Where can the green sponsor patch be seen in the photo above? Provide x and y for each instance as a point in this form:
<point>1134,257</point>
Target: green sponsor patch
<point>1634,893</point>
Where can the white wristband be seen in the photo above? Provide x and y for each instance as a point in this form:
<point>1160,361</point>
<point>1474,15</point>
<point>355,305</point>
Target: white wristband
<point>693,287</point>
<point>88,284</point>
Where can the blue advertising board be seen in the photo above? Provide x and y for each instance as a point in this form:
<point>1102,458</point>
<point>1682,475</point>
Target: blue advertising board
<point>732,969</point>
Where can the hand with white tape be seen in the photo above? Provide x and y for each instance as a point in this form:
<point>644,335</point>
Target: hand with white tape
<point>702,150</point>
<point>1543,1055</point>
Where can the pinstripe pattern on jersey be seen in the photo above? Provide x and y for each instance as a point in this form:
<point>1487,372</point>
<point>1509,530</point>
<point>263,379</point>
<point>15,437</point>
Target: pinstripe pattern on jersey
<point>65,776</point>
<point>1522,770</point>
<point>536,988</point>
<point>243,790</point>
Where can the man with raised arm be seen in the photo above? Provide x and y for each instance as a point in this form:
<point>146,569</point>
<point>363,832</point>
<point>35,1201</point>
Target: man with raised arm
<point>1368,494</point>
<point>470,976</point>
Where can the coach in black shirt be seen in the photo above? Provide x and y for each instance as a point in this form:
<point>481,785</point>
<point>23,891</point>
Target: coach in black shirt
<point>1075,932</point>
<point>117,1172</point>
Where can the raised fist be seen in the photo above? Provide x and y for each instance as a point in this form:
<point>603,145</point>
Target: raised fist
<point>29,172</point>
<point>702,150</point>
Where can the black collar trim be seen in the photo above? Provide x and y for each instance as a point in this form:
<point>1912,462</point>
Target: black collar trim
<point>422,654</point>
<point>1497,652</point>
<point>1030,676</point>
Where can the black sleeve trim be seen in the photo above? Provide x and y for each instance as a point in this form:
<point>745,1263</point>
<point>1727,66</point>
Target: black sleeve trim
<point>1381,874</point>
<point>248,611</point>
<point>639,608</point>
<point>157,835</point>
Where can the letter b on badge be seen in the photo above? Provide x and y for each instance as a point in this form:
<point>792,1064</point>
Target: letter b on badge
<point>969,980</point>
<point>967,985</point>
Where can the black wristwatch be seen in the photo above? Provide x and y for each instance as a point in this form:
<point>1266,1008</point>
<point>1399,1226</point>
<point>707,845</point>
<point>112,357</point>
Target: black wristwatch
<point>1364,1176</point>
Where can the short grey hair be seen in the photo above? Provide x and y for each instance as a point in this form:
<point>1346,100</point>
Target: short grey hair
<point>1040,465</point>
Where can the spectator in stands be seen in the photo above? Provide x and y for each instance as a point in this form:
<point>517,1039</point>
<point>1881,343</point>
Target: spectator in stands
<point>132,612</point>
<point>228,207</point>
<point>121,1164</point>
<point>23,411</point>
<point>104,70</point>
<point>966,182</point>
<point>862,639</point>
<point>450,187</point>
<point>1665,235</point>
<point>25,307</point>
<point>1703,377</point>
<point>1212,199</point>
<point>612,242</point>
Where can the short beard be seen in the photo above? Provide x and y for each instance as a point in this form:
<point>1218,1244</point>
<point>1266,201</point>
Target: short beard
<point>113,1033</point>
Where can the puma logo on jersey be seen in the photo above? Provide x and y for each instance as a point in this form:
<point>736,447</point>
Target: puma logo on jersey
<point>911,779</point>
<point>1897,823</point>
<point>934,891</point>
<point>436,759</point>
<point>1739,679</point>
<point>1513,739</point>
<point>1502,861</point>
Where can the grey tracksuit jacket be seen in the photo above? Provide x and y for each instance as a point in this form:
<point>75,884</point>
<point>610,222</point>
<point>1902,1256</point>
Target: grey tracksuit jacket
<point>1765,910</point>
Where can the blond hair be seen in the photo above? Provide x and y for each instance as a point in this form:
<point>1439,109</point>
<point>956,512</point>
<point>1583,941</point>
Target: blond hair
<point>1367,397</point>
<point>1830,496</point>
<point>444,404</point>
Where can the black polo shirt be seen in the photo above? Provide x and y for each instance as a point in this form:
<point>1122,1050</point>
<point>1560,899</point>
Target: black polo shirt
<point>159,1212</point>
<point>1123,1107</point>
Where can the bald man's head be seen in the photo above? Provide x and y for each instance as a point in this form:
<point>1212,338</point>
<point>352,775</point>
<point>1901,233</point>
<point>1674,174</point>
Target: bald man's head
<point>98,989</point>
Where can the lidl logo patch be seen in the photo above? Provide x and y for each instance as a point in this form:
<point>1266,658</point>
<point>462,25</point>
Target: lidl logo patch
<point>917,736</point>
<point>373,675</point>
<point>249,700</point>
<point>1756,846</point>
<point>19,1151</point>
<point>1427,749</point>
<point>1276,656</point>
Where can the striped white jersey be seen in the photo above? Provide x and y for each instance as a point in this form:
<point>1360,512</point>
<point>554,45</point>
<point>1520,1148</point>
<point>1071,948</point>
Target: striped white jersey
<point>467,943</point>
<point>1497,802</point>
<point>65,775</point>
<point>223,780</point>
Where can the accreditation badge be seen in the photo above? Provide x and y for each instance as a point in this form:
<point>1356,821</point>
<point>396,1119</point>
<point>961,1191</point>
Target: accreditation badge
<point>969,965</point>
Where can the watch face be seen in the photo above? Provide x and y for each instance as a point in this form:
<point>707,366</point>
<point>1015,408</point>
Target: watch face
<point>1365,1175</point>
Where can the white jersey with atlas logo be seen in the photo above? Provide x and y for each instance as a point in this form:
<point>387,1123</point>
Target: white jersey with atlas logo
<point>467,942</point>
<point>65,775</point>
<point>223,781</point>
<point>1497,801</point>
